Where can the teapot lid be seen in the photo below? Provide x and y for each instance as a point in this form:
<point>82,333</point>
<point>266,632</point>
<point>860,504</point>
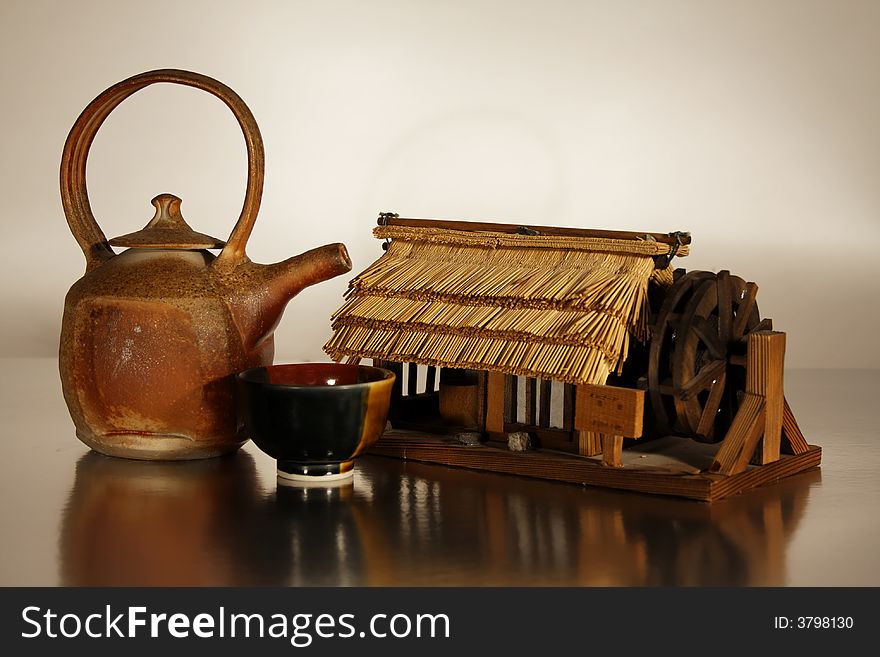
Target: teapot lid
<point>167,230</point>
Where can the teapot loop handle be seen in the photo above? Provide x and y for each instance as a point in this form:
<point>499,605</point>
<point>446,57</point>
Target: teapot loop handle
<point>74,195</point>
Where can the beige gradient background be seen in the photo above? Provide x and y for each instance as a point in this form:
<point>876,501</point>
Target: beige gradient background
<point>753,124</point>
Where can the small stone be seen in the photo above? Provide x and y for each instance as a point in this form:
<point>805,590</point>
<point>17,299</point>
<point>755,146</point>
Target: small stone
<point>468,437</point>
<point>519,441</point>
<point>388,426</point>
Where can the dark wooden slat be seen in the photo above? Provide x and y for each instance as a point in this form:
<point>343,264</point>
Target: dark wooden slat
<point>664,238</point>
<point>412,378</point>
<point>510,393</point>
<point>397,368</point>
<point>544,420</point>
<point>431,379</point>
<point>396,389</point>
<point>531,401</point>
<point>567,406</point>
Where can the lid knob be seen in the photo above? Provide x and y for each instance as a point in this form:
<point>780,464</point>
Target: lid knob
<point>167,230</point>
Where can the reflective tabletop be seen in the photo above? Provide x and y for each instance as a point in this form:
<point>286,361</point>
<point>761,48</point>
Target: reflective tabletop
<point>74,517</point>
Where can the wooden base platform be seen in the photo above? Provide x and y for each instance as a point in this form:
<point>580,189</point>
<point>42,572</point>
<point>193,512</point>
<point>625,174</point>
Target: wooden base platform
<point>667,466</point>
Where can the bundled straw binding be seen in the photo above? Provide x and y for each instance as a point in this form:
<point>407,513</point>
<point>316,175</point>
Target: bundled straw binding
<point>553,307</point>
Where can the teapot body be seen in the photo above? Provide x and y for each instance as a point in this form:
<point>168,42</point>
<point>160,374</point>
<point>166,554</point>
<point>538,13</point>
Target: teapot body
<point>149,347</point>
<point>152,337</point>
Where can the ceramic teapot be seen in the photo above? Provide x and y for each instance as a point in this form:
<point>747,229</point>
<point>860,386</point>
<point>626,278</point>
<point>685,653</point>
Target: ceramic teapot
<point>152,336</point>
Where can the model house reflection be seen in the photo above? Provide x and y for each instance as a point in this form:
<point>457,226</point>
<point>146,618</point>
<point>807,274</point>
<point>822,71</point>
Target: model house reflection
<point>214,523</point>
<point>454,525</point>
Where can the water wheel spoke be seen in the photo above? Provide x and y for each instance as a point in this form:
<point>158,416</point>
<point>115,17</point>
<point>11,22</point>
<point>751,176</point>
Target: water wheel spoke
<point>725,306</point>
<point>713,403</point>
<point>706,332</point>
<point>746,307</point>
<point>704,378</point>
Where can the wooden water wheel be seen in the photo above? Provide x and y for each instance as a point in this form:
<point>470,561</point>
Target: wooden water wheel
<point>697,358</point>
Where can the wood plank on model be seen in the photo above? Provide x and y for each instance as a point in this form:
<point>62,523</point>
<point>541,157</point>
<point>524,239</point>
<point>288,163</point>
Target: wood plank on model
<point>495,389</point>
<point>795,443</point>
<point>609,409</point>
<point>581,470</point>
<point>742,437</point>
<point>764,377</point>
<point>493,227</point>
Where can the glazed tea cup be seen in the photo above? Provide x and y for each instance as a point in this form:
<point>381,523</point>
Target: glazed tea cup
<point>314,419</point>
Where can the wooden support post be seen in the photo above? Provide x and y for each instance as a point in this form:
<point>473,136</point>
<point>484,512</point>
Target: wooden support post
<point>612,450</point>
<point>431,379</point>
<point>510,401</point>
<point>742,437</point>
<point>412,379</point>
<point>531,415</point>
<point>495,386</point>
<point>794,441</point>
<point>544,414</point>
<point>764,377</point>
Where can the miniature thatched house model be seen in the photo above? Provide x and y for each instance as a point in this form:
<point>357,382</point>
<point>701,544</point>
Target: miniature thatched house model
<point>572,341</point>
<point>514,318</point>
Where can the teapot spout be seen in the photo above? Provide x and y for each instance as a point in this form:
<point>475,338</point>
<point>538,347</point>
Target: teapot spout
<point>288,278</point>
<point>263,291</point>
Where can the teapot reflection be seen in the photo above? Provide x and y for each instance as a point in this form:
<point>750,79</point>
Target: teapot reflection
<point>404,524</point>
<point>172,523</point>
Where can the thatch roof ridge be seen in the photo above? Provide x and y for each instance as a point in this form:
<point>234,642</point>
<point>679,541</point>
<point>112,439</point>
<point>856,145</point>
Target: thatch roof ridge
<point>493,240</point>
<point>548,306</point>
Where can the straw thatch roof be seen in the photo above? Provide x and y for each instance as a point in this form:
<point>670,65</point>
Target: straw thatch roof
<point>554,307</point>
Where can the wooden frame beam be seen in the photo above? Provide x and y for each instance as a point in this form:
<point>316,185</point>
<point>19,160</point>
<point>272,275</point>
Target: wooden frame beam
<point>664,238</point>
